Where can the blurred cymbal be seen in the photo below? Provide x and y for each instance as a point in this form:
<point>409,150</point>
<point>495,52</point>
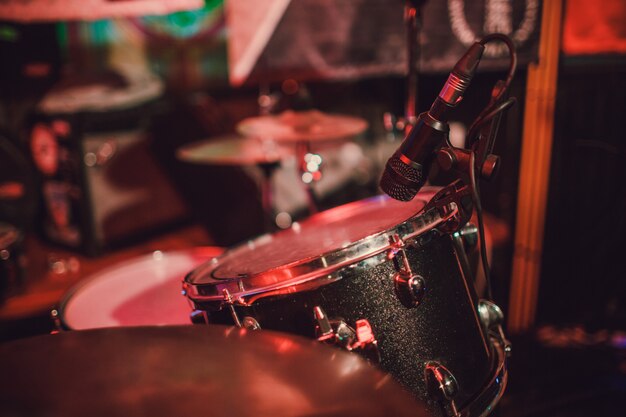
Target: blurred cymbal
<point>309,126</point>
<point>232,150</point>
<point>191,370</point>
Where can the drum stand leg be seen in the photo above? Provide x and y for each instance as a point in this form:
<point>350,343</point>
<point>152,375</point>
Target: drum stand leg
<point>267,195</point>
<point>308,175</point>
<point>56,322</point>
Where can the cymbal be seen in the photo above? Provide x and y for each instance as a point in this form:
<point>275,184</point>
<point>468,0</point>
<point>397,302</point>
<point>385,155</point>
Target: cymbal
<point>233,150</point>
<point>305,126</point>
<point>191,370</point>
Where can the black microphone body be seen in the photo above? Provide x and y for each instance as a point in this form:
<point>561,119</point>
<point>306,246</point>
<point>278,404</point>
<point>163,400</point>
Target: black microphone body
<point>407,169</point>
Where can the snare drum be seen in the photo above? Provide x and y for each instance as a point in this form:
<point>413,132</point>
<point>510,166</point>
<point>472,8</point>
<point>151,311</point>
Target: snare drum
<point>138,292</point>
<point>336,277</point>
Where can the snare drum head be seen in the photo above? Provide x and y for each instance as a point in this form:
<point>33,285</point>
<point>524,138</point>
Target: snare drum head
<point>274,259</point>
<point>142,291</point>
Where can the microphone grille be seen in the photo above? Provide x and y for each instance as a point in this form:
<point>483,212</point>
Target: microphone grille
<point>401,181</point>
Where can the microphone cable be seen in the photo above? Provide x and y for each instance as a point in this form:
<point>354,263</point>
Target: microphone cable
<point>493,109</point>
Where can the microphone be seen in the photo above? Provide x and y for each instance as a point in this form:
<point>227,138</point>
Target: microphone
<point>407,169</point>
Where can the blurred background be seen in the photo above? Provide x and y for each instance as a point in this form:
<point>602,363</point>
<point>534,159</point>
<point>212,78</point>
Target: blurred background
<point>105,119</point>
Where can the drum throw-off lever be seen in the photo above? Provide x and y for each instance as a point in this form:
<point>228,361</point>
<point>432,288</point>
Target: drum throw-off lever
<point>409,287</point>
<point>337,332</point>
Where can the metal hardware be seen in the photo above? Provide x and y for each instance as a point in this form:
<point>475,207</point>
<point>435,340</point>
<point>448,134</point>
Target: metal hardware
<point>454,203</point>
<point>205,284</point>
<point>508,347</point>
<point>250,323</point>
<point>345,336</point>
<point>484,401</point>
<point>395,245</point>
<point>492,318</point>
<point>198,317</point>
<point>335,331</point>
<point>229,300</point>
<point>56,321</point>
<point>323,329</point>
<point>453,158</point>
<point>490,167</point>
<point>409,287</point>
<point>366,341</point>
<point>339,333</point>
<point>442,386</point>
<point>59,265</point>
<point>395,126</point>
<point>490,314</point>
<point>459,159</point>
<point>469,235</point>
<point>102,155</point>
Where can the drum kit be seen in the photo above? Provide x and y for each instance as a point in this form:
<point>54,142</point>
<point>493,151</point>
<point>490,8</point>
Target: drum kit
<point>368,308</point>
<point>267,141</point>
<point>138,292</point>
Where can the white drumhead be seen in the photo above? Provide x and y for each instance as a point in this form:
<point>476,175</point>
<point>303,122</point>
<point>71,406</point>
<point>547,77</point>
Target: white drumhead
<point>142,291</point>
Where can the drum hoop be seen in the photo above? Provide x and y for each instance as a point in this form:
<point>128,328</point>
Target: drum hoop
<point>61,310</point>
<point>313,272</point>
<point>485,401</point>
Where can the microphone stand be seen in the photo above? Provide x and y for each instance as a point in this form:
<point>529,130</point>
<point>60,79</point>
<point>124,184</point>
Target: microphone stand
<point>478,161</point>
<point>413,21</point>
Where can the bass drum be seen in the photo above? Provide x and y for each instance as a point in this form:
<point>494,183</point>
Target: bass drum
<point>337,277</point>
<point>139,292</point>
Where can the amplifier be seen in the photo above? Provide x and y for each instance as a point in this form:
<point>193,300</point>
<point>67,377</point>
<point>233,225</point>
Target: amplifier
<point>100,183</point>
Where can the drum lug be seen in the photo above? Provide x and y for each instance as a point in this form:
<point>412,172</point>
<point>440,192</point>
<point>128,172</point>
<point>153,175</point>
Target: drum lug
<point>409,287</point>
<point>339,333</point>
<point>442,387</point>
<point>396,245</point>
<point>228,299</point>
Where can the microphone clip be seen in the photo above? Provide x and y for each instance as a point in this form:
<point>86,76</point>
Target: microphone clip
<point>458,159</point>
<point>454,203</point>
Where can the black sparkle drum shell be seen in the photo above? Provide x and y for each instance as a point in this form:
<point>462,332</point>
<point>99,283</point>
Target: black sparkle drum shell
<point>444,327</point>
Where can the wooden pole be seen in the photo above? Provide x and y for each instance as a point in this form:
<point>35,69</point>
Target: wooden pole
<point>535,171</point>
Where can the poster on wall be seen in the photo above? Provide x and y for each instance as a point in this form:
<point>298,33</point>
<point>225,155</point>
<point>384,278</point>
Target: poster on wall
<point>229,41</point>
<point>63,10</point>
<point>186,49</point>
<point>327,39</point>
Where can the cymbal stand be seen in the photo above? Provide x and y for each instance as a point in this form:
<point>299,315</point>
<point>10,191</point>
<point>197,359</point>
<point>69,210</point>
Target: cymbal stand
<point>310,172</point>
<point>267,194</point>
<point>413,21</point>
<point>395,125</point>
